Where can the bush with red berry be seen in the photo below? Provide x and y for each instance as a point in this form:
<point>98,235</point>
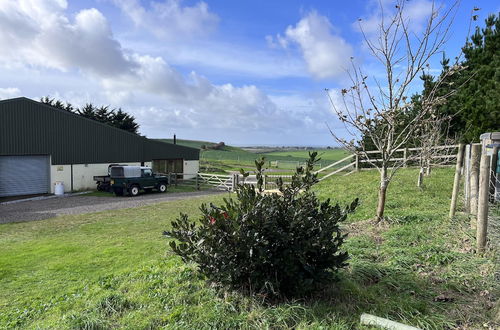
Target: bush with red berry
<point>278,245</point>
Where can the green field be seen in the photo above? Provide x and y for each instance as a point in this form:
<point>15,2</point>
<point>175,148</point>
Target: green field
<point>233,158</point>
<point>330,155</point>
<point>114,269</point>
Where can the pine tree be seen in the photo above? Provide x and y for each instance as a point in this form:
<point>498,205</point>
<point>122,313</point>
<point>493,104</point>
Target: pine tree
<point>116,118</point>
<point>473,108</point>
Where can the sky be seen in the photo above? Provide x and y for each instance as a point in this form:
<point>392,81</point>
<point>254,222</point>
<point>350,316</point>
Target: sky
<point>243,72</point>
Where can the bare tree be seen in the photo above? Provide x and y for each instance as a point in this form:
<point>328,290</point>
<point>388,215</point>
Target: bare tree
<point>429,137</point>
<point>381,109</point>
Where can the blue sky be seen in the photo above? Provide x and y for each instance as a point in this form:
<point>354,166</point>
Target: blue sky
<point>242,72</point>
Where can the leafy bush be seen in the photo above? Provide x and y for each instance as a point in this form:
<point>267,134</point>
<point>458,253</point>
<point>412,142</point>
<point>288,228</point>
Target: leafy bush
<point>274,244</point>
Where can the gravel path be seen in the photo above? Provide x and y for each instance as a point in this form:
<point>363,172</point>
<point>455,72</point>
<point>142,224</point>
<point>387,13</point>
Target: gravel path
<point>52,207</point>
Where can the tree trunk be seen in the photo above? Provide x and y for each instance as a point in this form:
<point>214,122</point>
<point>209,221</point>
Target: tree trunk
<point>382,194</point>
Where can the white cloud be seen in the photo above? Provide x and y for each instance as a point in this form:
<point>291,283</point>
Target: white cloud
<point>222,58</point>
<point>9,92</point>
<point>78,58</point>
<point>86,44</point>
<point>416,13</point>
<point>325,52</point>
<point>38,33</point>
<point>169,19</point>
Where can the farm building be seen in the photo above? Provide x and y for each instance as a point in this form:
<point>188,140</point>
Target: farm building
<point>41,145</point>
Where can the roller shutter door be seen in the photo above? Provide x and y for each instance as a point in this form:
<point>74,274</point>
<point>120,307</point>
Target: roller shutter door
<point>24,175</point>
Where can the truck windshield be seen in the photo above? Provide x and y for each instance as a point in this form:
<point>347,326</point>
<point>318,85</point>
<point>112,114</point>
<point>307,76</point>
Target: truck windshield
<point>117,172</point>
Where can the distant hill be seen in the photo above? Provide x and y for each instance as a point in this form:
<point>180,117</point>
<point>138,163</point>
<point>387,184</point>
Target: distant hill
<point>188,143</point>
<point>230,154</point>
<point>197,144</point>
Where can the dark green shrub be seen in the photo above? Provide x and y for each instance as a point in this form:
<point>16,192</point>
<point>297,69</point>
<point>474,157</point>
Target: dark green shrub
<point>275,244</point>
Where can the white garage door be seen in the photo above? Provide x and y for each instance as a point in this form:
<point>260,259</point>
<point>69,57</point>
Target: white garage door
<point>24,175</point>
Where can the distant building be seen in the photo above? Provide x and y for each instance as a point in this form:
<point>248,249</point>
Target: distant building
<point>41,145</point>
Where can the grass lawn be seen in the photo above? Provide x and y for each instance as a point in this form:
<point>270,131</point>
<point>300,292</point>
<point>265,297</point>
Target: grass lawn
<point>114,269</point>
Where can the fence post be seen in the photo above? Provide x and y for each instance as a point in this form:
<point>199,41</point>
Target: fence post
<point>197,183</point>
<point>405,157</point>
<point>475,155</point>
<point>265,181</point>
<point>493,175</point>
<point>356,162</point>
<point>420,177</point>
<point>234,182</point>
<point>482,211</point>
<point>456,181</point>
<point>467,178</point>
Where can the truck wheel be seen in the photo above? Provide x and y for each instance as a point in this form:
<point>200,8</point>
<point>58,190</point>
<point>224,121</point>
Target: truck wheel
<point>118,191</point>
<point>162,187</point>
<point>133,191</point>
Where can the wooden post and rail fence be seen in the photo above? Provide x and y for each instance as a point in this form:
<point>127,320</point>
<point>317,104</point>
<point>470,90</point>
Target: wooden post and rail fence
<point>345,166</point>
<point>477,165</point>
<point>362,160</point>
<point>471,161</point>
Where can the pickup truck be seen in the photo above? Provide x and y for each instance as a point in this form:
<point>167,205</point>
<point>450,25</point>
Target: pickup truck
<point>104,181</point>
<point>131,179</point>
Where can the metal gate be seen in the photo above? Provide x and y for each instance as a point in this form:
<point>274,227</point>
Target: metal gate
<point>24,175</point>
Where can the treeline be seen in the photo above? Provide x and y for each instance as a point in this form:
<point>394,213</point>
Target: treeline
<point>104,114</point>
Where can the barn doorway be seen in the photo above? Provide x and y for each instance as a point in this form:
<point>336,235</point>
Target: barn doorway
<point>24,175</point>
<point>167,166</point>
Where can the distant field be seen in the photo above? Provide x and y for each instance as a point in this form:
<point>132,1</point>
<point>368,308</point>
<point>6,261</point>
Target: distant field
<point>233,158</point>
<point>188,143</point>
<point>324,154</point>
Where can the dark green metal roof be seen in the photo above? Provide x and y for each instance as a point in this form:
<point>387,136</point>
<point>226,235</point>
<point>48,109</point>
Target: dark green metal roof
<point>29,127</point>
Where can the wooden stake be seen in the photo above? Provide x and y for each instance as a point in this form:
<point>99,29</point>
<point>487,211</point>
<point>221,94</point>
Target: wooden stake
<point>467,179</point>
<point>475,156</point>
<point>493,174</point>
<point>456,181</point>
<point>420,177</point>
<point>482,211</point>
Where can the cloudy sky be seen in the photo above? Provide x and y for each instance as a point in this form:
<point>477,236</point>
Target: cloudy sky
<point>243,72</point>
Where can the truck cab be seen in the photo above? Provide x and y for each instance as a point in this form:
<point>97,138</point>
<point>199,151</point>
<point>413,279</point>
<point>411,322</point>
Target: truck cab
<point>132,179</point>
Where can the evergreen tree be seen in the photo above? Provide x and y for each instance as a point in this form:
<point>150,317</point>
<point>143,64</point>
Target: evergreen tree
<point>57,104</point>
<point>104,115</point>
<point>474,107</point>
<point>123,120</point>
<point>87,111</point>
<point>116,118</point>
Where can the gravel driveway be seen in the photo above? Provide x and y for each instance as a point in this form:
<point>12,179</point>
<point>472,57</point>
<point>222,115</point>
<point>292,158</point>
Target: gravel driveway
<point>52,207</point>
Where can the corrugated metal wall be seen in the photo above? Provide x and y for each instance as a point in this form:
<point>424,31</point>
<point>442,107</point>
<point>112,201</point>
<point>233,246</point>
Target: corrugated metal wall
<point>23,175</point>
<point>28,127</point>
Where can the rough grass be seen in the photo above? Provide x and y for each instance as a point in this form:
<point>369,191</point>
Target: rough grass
<point>114,269</point>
